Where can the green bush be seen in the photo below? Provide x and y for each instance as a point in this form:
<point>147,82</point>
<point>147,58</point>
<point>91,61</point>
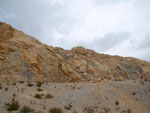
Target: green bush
<point>55,110</point>
<point>13,106</point>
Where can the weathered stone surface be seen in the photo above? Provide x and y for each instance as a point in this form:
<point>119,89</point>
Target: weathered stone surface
<point>6,32</point>
<point>24,56</point>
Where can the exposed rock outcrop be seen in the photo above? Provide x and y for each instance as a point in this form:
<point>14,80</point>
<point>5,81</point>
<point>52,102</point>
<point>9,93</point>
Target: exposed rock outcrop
<point>25,57</point>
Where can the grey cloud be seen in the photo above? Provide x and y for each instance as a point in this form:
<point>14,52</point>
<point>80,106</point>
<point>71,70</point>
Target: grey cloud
<point>110,40</point>
<point>106,2</point>
<point>31,16</point>
<point>145,43</point>
<point>144,48</point>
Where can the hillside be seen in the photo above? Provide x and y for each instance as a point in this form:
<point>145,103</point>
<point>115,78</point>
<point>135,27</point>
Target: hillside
<point>37,78</point>
<point>25,57</point>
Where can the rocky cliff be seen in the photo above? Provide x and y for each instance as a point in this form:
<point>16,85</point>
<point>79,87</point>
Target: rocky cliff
<point>24,57</point>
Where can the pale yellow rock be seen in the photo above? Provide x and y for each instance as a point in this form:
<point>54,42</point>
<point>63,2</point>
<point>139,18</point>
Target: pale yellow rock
<point>23,55</point>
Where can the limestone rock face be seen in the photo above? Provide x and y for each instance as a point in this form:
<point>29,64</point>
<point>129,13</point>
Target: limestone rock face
<point>24,57</point>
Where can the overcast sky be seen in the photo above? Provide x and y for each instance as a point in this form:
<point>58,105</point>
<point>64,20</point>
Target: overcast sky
<point>116,27</point>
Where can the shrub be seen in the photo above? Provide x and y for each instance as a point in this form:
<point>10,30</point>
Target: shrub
<point>13,106</point>
<point>26,109</point>
<point>30,84</point>
<point>39,84</point>
<point>48,96</point>
<point>146,79</point>
<point>21,82</point>
<point>134,93</point>
<point>68,107</point>
<point>39,89</point>
<point>14,95</point>
<point>55,110</point>
<point>117,102</point>
<point>14,83</point>
<point>13,99</point>
<point>38,96</point>
<point>129,111</point>
<point>141,82</point>
<point>6,89</point>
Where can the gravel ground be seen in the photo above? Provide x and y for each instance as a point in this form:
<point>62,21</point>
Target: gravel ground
<point>106,97</point>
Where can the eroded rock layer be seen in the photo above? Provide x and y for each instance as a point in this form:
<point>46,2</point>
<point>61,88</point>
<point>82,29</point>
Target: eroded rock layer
<point>24,57</point>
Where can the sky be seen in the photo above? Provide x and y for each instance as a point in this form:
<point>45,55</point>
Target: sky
<point>115,27</point>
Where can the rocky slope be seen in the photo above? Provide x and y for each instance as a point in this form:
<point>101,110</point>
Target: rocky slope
<point>24,57</point>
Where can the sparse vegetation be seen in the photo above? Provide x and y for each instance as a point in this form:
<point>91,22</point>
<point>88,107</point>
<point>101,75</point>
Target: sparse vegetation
<point>6,89</point>
<point>13,106</point>
<point>48,96</point>
<point>68,107</point>
<point>55,110</point>
<point>134,93</point>
<point>117,102</point>
<point>14,83</point>
<point>39,84</point>
<point>21,82</point>
<point>30,84</point>
<point>129,111</point>
<point>13,99</point>
<point>14,95</point>
<point>26,109</point>
<point>39,89</point>
<point>38,96</point>
<point>141,82</point>
<point>146,79</point>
